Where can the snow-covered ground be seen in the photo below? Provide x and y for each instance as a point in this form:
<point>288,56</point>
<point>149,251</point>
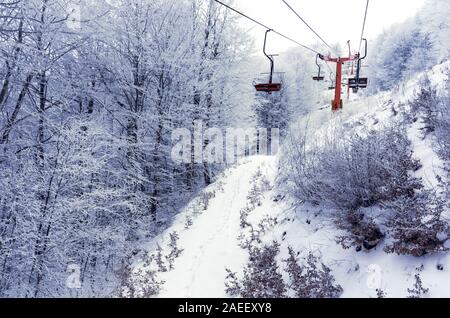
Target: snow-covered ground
<point>210,244</point>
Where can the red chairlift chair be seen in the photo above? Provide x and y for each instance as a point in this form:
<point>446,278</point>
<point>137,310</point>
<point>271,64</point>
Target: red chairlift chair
<point>332,86</point>
<point>319,77</point>
<point>359,82</point>
<point>268,87</point>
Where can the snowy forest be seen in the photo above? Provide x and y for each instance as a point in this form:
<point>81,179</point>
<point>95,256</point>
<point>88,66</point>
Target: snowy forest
<point>90,93</point>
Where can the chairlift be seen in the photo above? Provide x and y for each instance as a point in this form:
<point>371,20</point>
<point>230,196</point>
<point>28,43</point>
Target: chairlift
<point>268,87</point>
<point>319,77</point>
<point>359,82</point>
<point>332,86</point>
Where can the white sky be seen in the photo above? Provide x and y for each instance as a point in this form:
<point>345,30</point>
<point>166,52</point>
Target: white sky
<point>334,20</point>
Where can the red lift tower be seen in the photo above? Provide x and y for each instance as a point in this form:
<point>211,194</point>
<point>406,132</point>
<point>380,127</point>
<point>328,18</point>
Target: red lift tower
<point>337,103</point>
<point>354,83</point>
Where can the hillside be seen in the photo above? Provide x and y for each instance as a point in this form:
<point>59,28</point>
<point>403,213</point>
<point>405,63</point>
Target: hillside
<point>248,205</point>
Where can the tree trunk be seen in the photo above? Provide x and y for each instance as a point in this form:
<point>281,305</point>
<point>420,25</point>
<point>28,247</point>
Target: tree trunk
<point>11,121</point>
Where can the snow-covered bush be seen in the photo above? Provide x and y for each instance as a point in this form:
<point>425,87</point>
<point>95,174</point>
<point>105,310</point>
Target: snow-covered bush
<point>243,215</point>
<point>159,259</point>
<point>425,106</point>
<point>260,184</point>
<point>381,293</point>
<point>416,226</point>
<point>261,277</point>
<point>188,222</point>
<point>205,198</point>
<point>362,231</point>
<point>443,127</point>
<point>368,169</point>
<point>308,278</point>
<point>175,251</point>
<point>313,279</point>
<point>433,110</point>
<point>252,235</point>
<point>140,283</point>
<point>164,262</point>
<point>350,170</point>
<point>418,291</point>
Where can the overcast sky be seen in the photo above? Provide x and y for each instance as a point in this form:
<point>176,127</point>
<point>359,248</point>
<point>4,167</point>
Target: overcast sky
<point>335,20</point>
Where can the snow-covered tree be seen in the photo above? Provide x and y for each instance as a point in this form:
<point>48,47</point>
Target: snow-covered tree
<point>411,47</point>
<point>87,108</point>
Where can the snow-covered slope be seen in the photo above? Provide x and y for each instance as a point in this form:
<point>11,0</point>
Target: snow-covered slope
<point>209,229</point>
<point>211,244</point>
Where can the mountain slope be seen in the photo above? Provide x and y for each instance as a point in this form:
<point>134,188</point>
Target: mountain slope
<point>210,230</point>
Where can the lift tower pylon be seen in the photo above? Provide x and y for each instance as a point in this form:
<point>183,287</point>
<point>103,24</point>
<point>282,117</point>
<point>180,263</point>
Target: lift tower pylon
<point>337,104</point>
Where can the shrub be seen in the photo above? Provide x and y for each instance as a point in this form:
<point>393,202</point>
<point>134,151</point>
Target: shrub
<point>417,227</point>
<point>362,231</point>
<point>188,222</point>
<point>261,278</point>
<point>243,215</point>
<point>206,198</point>
<point>159,259</point>
<point>361,170</point>
<point>443,128</point>
<point>312,279</point>
<point>381,293</point>
<point>253,235</point>
<point>418,290</point>
<point>141,282</point>
<point>369,168</point>
<point>175,251</point>
<point>425,106</point>
<point>434,112</point>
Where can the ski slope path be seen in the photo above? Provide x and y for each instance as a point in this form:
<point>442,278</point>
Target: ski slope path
<point>211,244</point>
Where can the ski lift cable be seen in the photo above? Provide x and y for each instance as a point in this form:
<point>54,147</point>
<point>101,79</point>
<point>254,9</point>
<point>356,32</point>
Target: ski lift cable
<point>266,27</point>
<point>364,25</point>
<point>306,23</point>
